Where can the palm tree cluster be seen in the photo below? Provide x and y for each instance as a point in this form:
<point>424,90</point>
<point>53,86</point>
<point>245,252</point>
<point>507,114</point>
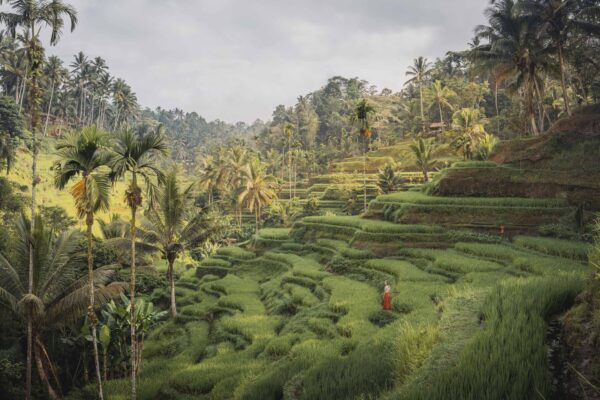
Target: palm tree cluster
<point>239,178</point>
<point>527,43</point>
<point>80,93</point>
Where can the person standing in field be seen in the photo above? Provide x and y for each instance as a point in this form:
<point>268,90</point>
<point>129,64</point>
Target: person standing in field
<point>387,296</point>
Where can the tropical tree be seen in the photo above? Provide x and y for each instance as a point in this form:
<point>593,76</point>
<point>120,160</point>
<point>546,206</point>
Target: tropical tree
<point>55,72</point>
<point>468,129</point>
<point>288,131</point>
<point>423,152</point>
<point>137,157</point>
<point>32,16</point>
<point>84,157</point>
<point>259,189</point>
<point>170,226</point>
<point>441,96</point>
<point>60,294</point>
<point>363,112</point>
<point>486,145</point>
<point>419,71</point>
<point>11,126</point>
<point>514,53</point>
<point>387,180</point>
<point>558,20</point>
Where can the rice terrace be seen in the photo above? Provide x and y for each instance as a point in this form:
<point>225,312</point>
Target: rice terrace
<point>421,223</point>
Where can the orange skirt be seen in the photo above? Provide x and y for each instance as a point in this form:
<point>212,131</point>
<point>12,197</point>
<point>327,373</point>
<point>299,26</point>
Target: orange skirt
<point>387,301</point>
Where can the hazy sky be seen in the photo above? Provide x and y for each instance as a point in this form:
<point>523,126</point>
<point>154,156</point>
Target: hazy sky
<point>237,59</point>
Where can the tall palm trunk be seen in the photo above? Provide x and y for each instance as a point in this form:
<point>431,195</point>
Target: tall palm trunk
<point>441,116</point>
<point>53,393</point>
<point>89,221</point>
<point>171,276</point>
<point>365,176</point>
<point>49,108</point>
<point>290,167</point>
<point>34,57</point>
<point>421,100</point>
<point>257,214</point>
<point>134,200</point>
<point>496,104</point>
<point>562,79</point>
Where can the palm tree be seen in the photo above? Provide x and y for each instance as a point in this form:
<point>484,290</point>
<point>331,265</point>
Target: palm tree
<point>207,176</point>
<point>32,15</point>
<point>441,96</point>
<point>469,128</point>
<point>237,157</point>
<point>514,53</point>
<point>419,72</point>
<point>84,157</point>
<point>387,180</point>
<point>259,190</point>
<point>423,151</point>
<point>59,296</point>
<point>170,226</point>
<point>558,20</point>
<point>137,157</point>
<point>362,114</point>
<point>55,73</point>
<point>288,131</point>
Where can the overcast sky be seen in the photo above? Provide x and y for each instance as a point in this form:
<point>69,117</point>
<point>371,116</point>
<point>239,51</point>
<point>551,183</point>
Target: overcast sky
<point>237,59</point>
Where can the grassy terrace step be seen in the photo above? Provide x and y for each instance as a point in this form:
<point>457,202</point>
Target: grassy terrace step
<point>416,207</point>
<point>520,258</point>
<point>235,253</point>
<point>354,230</point>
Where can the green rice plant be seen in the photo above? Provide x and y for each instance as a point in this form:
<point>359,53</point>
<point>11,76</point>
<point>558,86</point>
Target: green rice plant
<point>507,359</point>
<point>300,265</point>
<point>453,261</point>
<point>274,233</point>
<point>359,299</point>
<point>496,251</point>
<point>403,270</point>
<point>215,262</point>
<point>474,164</point>
<point>236,253</point>
<point>420,198</point>
<point>555,247</point>
<point>367,370</point>
<point>280,346</point>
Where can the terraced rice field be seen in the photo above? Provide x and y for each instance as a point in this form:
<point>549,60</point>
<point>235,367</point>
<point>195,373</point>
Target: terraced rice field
<point>299,317</point>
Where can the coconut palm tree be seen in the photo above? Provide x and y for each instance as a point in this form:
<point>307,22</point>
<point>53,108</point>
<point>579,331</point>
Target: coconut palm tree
<point>33,15</point>
<point>84,158</point>
<point>55,72</point>
<point>60,294</point>
<point>558,20</point>
<point>441,95</point>
<point>237,157</point>
<point>387,180</point>
<point>171,226</point>
<point>288,131</point>
<point>419,71</point>
<point>468,127</point>
<point>258,190</point>
<point>423,152</point>
<point>362,114</point>
<point>514,53</point>
<point>137,156</point>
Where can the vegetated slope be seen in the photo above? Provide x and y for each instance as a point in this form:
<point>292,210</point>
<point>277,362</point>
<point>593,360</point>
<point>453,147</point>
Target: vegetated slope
<point>564,162</point>
<point>301,318</point>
